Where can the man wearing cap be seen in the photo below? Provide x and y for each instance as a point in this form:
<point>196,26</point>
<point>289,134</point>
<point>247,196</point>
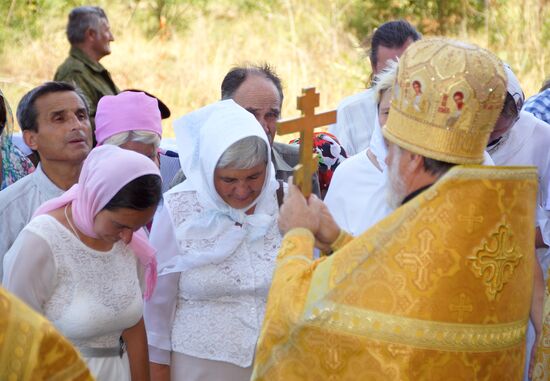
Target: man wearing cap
<point>519,138</point>
<point>90,36</point>
<point>441,287</point>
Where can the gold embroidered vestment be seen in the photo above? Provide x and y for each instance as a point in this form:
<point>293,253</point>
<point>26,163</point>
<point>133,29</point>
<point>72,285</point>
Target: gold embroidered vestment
<point>31,349</point>
<point>440,289</point>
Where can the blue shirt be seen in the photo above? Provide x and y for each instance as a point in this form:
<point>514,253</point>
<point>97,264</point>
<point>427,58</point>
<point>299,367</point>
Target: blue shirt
<point>539,105</point>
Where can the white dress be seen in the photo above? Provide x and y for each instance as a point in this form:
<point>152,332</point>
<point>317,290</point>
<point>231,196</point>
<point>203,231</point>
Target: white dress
<point>90,296</point>
<point>214,311</point>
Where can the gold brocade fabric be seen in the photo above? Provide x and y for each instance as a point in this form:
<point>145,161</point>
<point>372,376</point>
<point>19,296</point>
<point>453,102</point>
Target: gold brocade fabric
<point>446,99</point>
<point>541,371</point>
<point>439,290</point>
<point>31,349</point>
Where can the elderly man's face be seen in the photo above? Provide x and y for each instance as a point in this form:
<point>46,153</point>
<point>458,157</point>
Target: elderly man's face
<point>103,38</point>
<point>64,132</point>
<point>259,96</point>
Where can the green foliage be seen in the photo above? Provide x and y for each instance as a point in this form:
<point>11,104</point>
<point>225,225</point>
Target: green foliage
<point>439,17</point>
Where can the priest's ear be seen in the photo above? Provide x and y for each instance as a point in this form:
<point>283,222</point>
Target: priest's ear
<point>413,161</point>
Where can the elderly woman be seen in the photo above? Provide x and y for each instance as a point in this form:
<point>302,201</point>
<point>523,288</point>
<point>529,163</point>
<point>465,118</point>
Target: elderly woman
<point>130,120</point>
<point>217,239</point>
<point>81,261</point>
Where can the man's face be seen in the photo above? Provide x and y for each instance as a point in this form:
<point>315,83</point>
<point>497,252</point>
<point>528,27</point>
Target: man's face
<point>385,54</point>
<point>259,96</point>
<point>64,133</point>
<point>103,38</point>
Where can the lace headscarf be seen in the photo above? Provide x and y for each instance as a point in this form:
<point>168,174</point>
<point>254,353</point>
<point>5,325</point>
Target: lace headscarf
<point>15,164</point>
<point>202,137</point>
<point>106,170</point>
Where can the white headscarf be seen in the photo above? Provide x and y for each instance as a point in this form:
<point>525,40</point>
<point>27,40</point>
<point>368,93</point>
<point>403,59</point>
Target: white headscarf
<point>202,137</point>
<point>514,87</point>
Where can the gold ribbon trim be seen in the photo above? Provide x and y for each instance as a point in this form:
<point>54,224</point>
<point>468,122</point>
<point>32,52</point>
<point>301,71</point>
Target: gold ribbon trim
<point>415,332</point>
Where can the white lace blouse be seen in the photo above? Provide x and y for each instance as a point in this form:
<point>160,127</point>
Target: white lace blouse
<point>214,311</point>
<point>90,296</point>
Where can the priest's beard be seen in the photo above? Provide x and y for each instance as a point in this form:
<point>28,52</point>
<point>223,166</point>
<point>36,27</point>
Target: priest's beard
<point>395,186</point>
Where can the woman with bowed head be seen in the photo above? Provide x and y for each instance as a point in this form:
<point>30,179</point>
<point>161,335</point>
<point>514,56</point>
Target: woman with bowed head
<point>217,239</point>
<point>84,262</point>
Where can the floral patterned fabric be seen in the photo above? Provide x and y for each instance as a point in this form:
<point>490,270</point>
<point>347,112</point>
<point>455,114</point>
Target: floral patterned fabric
<point>15,164</point>
<point>330,154</point>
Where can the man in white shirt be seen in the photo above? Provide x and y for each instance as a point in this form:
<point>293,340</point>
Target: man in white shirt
<point>356,197</point>
<point>519,138</point>
<point>356,114</point>
<point>54,120</point>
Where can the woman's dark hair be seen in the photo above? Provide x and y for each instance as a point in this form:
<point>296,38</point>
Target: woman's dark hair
<point>3,115</point>
<point>138,194</point>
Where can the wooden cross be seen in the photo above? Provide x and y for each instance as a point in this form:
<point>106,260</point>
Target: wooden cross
<point>303,172</point>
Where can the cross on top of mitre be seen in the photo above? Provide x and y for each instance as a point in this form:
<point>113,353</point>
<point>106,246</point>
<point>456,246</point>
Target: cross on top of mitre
<point>305,125</point>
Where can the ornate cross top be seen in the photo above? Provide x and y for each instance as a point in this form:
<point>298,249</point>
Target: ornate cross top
<point>305,125</point>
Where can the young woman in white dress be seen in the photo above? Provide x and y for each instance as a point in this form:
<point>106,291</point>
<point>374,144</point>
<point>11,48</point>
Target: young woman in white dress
<point>217,240</point>
<point>81,261</point>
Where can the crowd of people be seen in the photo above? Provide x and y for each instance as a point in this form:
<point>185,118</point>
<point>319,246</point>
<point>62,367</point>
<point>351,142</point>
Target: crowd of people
<point>422,253</point>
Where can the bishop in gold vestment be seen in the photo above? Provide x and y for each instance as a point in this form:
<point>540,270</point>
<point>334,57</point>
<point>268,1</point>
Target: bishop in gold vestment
<point>31,349</point>
<point>441,288</point>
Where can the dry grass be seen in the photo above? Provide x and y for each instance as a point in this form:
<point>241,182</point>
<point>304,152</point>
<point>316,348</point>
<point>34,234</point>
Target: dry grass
<point>305,42</point>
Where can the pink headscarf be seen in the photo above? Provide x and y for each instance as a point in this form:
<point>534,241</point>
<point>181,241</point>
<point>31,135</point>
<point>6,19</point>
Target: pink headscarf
<point>106,170</point>
<point>127,111</point>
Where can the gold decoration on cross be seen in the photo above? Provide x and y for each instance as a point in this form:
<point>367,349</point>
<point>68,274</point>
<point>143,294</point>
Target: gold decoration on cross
<point>305,125</point>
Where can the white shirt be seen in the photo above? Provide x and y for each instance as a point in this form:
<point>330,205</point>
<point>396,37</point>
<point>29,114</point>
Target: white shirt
<point>213,311</point>
<point>355,120</point>
<point>19,201</point>
<point>528,143</point>
<point>356,197</point>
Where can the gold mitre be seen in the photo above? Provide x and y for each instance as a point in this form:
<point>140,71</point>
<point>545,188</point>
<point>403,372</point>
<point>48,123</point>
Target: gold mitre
<point>446,99</point>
